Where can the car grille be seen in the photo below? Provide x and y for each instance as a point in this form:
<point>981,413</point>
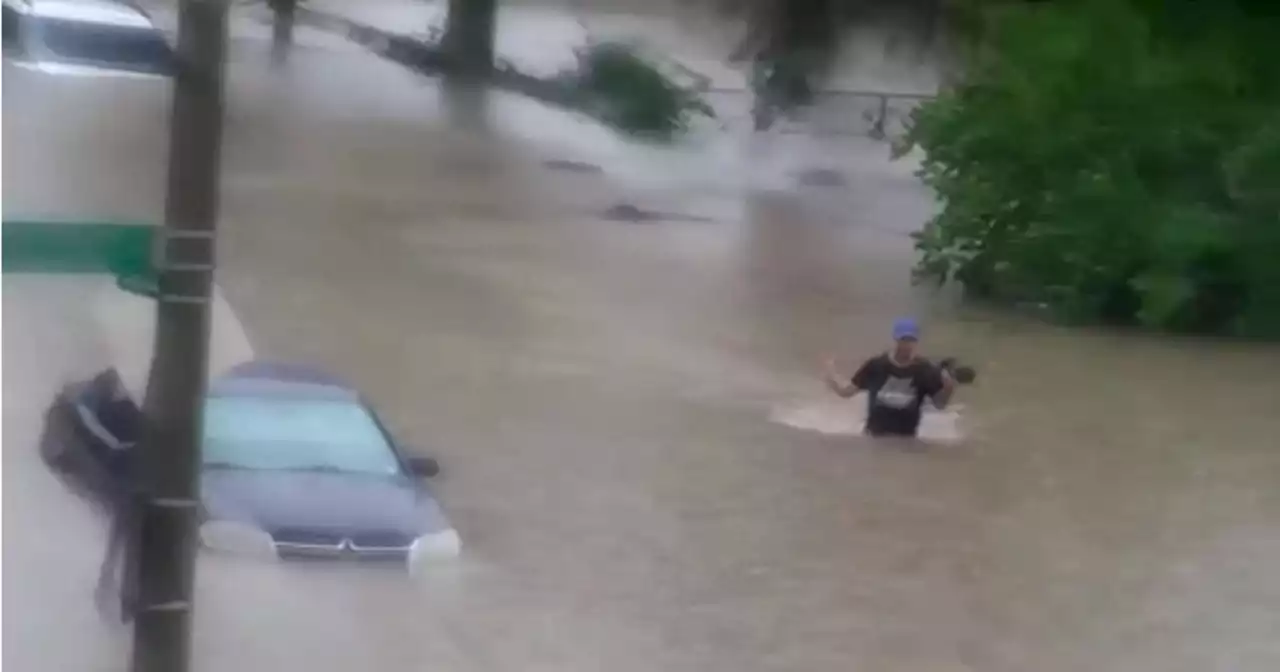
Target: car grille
<point>306,543</point>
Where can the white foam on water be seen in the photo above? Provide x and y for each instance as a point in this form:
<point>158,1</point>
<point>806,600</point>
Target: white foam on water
<point>847,417</point>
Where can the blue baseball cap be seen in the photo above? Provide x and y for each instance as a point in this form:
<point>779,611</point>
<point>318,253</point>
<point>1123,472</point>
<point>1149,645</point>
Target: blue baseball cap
<point>905,327</point>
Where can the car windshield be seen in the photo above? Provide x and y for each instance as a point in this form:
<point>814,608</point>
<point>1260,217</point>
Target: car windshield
<point>105,45</point>
<point>268,433</point>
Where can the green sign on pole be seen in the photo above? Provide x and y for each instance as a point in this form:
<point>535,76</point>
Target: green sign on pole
<point>72,247</point>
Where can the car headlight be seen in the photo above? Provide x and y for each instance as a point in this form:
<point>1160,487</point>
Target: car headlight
<point>434,547</point>
<point>237,539</point>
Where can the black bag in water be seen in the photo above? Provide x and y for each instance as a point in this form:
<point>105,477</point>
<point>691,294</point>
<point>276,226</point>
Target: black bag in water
<point>965,375</point>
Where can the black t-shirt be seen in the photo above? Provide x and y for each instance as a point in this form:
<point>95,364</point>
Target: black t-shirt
<point>895,393</point>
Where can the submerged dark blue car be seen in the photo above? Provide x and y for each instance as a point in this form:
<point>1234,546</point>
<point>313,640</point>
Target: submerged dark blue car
<point>295,465</point>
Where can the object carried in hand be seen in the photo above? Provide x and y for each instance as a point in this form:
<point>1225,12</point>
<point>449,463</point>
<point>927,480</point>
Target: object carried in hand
<point>965,375</point>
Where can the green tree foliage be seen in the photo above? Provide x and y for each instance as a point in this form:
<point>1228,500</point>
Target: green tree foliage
<point>1113,160</point>
<point>629,93</point>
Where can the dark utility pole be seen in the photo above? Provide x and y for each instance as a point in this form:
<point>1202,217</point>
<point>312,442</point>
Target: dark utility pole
<point>285,17</point>
<point>169,458</point>
<point>468,35</point>
<point>468,45</point>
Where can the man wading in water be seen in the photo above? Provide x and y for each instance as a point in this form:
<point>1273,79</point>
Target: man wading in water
<point>897,383</point>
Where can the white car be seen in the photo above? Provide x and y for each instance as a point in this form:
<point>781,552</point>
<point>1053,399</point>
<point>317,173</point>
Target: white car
<point>85,37</point>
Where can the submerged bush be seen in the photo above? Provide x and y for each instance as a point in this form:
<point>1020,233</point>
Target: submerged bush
<point>1112,164</point>
<point>633,95</point>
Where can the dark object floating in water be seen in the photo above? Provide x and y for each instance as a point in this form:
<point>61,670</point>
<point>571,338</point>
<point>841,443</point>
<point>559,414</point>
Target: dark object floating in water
<point>572,166</point>
<point>626,212</point>
<point>821,177</point>
<point>965,375</point>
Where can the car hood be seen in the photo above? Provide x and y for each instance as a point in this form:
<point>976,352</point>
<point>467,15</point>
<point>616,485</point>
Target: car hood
<point>339,503</point>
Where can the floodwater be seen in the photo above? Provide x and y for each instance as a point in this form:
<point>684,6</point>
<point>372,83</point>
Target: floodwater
<point>638,454</point>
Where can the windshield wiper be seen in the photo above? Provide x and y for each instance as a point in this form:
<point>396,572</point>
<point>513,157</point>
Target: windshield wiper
<point>321,468</point>
<point>222,465</point>
<point>317,468</point>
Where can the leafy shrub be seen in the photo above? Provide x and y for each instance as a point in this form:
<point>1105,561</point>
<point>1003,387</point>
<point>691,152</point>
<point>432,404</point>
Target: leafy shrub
<point>1111,165</point>
<point>633,95</point>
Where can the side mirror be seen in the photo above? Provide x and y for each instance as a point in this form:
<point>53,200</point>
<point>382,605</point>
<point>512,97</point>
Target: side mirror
<point>423,467</point>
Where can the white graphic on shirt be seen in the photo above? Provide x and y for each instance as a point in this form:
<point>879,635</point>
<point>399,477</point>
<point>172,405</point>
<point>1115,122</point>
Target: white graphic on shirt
<point>899,393</point>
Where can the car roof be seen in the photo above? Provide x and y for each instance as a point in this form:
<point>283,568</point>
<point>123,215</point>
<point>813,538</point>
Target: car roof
<point>260,378</point>
<point>89,11</point>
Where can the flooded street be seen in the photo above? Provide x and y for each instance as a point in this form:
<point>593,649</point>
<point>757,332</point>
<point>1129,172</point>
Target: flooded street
<point>637,450</point>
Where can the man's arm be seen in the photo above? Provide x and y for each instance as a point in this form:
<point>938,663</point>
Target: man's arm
<point>941,386</point>
<point>843,390</point>
<point>846,388</point>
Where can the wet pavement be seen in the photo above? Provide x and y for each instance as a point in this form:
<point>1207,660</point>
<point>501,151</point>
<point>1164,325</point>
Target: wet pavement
<point>616,407</point>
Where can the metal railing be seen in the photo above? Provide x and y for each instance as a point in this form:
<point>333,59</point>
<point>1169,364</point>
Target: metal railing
<point>881,115</point>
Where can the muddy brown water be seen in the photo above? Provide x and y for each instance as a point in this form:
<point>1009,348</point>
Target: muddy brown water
<point>639,457</point>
